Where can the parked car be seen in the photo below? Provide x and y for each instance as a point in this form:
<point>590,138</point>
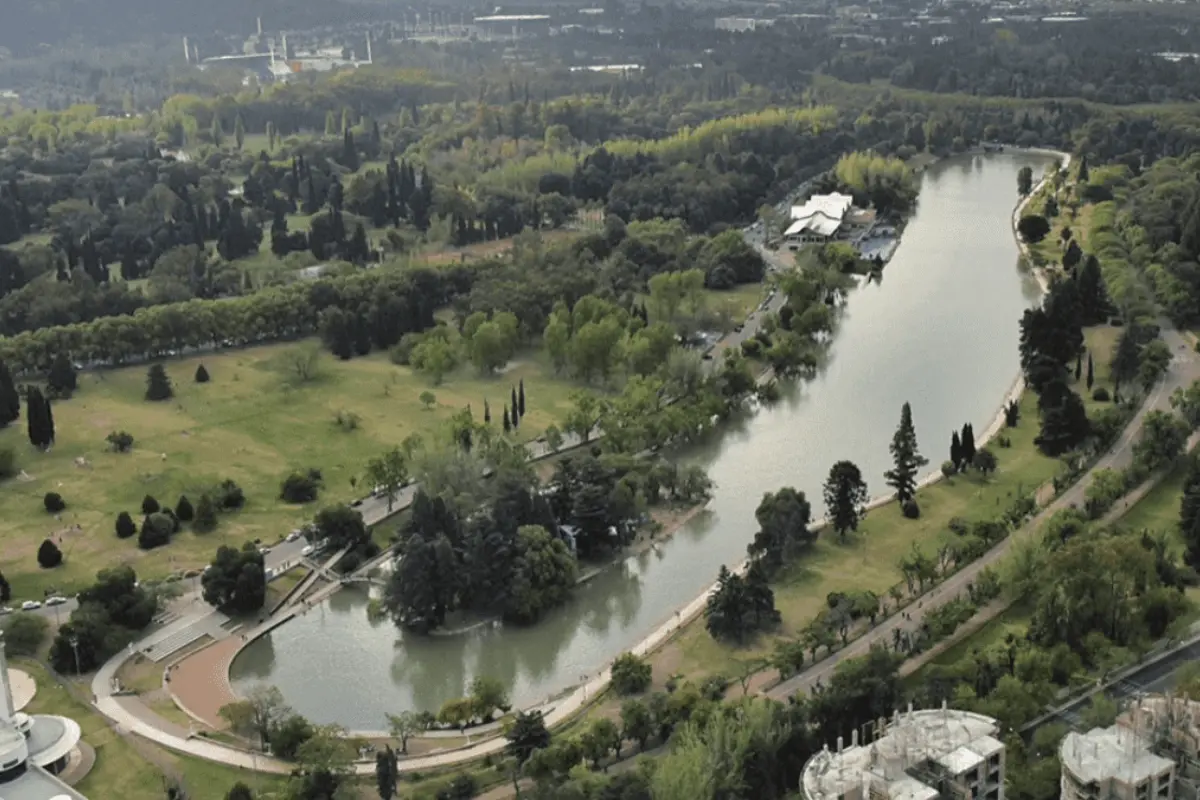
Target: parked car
<point>6,610</point>
<point>55,600</point>
<point>294,535</point>
<point>308,550</point>
<point>30,605</point>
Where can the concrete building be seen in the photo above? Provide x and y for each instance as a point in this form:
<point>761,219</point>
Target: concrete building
<point>33,749</point>
<point>1151,753</point>
<point>826,218</point>
<point>917,755</point>
<point>742,24</point>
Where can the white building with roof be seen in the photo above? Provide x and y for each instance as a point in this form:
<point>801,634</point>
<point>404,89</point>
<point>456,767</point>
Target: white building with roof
<point>33,749</point>
<point>825,218</point>
<point>917,755</point>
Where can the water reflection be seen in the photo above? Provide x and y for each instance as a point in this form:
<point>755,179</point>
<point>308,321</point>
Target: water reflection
<point>941,333</point>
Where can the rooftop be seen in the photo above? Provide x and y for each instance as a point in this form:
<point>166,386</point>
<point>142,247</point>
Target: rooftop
<point>1113,753</point>
<point>37,784</point>
<point>910,739</point>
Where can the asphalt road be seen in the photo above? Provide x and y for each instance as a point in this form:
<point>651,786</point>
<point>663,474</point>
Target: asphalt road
<point>1184,370</point>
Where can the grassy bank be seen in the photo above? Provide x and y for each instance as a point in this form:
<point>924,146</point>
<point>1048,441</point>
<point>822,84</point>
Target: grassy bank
<point>253,423</point>
<point>130,768</point>
<point>869,559</point>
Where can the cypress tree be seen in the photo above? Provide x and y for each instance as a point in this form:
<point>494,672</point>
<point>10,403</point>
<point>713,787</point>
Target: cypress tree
<point>487,412</point>
<point>516,413</point>
<point>239,132</point>
<point>184,510</point>
<point>158,385</point>
<point>968,445</point>
<point>126,527</point>
<point>1091,377</point>
<point>61,380</point>
<point>905,457</point>
<point>507,421</point>
<point>955,450</point>
<point>39,424</point>
<point>5,590</point>
<point>521,398</point>
<point>1078,366</point>
<point>10,398</point>
<point>201,374</point>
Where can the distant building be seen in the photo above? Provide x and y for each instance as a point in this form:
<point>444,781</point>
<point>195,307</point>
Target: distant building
<point>917,755</point>
<point>742,24</point>
<point>1151,753</point>
<point>827,218</point>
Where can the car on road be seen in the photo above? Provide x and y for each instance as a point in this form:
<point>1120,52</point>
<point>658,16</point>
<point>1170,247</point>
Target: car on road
<point>294,535</point>
<point>308,550</point>
<point>738,328</point>
<point>356,503</point>
<point>30,605</point>
<point>262,551</point>
<point>56,600</point>
<point>6,610</point>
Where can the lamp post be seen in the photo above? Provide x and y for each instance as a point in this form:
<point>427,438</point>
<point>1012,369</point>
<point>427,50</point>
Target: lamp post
<point>74,642</point>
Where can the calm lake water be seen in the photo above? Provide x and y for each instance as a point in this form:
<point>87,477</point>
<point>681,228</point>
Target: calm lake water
<point>939,331</point>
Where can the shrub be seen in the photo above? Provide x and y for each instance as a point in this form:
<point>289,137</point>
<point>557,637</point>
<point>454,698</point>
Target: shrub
<point>714,687</point>
<point>54,503</point>
<point>126,527</point>
<point>948,469</point>
<point>1012,413</point>
<point>299,488</point>
<point>206,515</point>
<point>184,510</point>
<point>910,509</point>
<point>229,496</point>
<point>630,674</point>
<point>120,441</point>
<point>347,420</point>
<point>149,505</point>
<point>156,531</point>
<point>158,385</point>
<point>752,348</point>
<point>24,634</point>
<point>1100,395</point>
<point>201,374</point>
<point>8,462</point>
<point>48,555</point>
<point>959,526</point>
<point>1004,441</point>
<point>985,461</point>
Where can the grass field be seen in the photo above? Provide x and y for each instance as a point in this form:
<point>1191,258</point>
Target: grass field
<point>252,423</point>
<point>869,559</point>
<point>134,771</point>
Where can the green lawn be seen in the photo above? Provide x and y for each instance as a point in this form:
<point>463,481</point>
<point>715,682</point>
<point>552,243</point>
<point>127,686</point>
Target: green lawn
<point>252,423</point>
<point>123,764</point>
<point>869,559</point>
<point>1100,342</point>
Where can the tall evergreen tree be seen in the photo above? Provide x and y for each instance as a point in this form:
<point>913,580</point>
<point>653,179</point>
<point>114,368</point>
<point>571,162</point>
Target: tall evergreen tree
<point>955,450</point>
<point>349,151</point>
<point>10,398</point>
<point>61,380</point>
<point>487,412</point>
<point>218,134</point>
<point>968,445</point>
<point>521,397</point>
<point>39,422</point>
<point>906,458</point>
<point>516,413</point>
<point>1091,377</point>
<point>158,385</point>
<point>507,421</point>
<point>239,132</point>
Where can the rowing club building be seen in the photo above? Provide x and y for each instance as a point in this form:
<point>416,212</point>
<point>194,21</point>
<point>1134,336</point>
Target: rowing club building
<point>826,218</point>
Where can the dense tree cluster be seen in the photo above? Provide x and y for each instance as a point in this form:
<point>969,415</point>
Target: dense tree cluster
<point>236,580</point>
<point>110,614</point>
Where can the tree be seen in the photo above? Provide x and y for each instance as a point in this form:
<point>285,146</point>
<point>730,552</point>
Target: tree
<point>304,362</point>
<point>407,724</point>
<point>341,526</point>
<point>630,674</point>
<point>526,734</point>
<point>586,413</point>
<point>1024,180</point>
<point>10,399</point>
<point>488,696</point>
<point>389,472</point>
<point>54,503</point>
<point>5,589</point>
<point>39,419</point>
<point>543,575</point>
<point>984,461</point>
<point>956,454</point>
<point>120,441</point>
<point>783,520</point>
<point>61,380</point>
<point>516,414</point>
<point>1164,437</point>
<point>239,132</point>
<point>156,531</point>
<point>300,487</point>
<point>845,497</point>
<point>183,509</point>
<point>506,422</point>
<point>236,580</point>
<point>290,735</point>
<point>263,710</point>
<point>150,505</point>
<point>905,458</point>
<point>1033,228</point>
<point>1064,419</point>
<point>24,634</point>
<point>240,791</point>
<point>48,555</point>
<point>202,374</point>
<point>206,515</point>
<point>521,398</point>
<point>386,773</point>
<point>429,400</point>
<point>637,723</point>
<point>1091,377</point>
<point>158,385</point>
<point>1186,402</point>
<point>554,438</point>
<point>125,525</point>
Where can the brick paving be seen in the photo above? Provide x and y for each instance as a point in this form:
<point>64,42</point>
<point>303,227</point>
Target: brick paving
<point>200,682</point>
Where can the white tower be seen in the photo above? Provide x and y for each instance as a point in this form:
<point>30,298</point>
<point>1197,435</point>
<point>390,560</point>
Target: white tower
<point>187,51</point>
<point>6,698</point>
<point>369,60</point>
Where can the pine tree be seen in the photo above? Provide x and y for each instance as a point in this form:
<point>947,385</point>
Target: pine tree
<point>158,385</point>
<point>218,134</point>
<point>507,421</point>
<point>201,374</point>
<point>10,398</point>
<point>521,398</point>
<point>349,151</point>
<point>487,412</point>
<point>126,527</point>
<point>184,510</point>
<point>1091,377</point>
<point>206,515</point>
<point>906,458</point>
<point>37,425</point>
<point>62,380</point>
<point>968,445</point>
<point>516,413</point>
<point>955,450</point>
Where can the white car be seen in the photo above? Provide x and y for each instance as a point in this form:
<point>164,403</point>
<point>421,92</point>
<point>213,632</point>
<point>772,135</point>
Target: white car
<point>30,605</point>
<point>308,550</point>
<point>56,600</point>
<point>5,610</point>
<point>294,535</point>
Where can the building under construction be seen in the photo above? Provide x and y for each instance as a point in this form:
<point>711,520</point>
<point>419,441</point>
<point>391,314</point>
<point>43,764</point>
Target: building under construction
<point>1151,753</point>
<point>916,755</point>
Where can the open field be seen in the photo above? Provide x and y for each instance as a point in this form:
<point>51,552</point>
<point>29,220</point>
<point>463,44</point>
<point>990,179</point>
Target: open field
<point>123,764</point>
<point>869,559</point>
<point>253,423</point>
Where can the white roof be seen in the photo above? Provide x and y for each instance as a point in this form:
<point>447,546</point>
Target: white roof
<point>911,789</point>
<point>1113,753</point>
<point>818,222</point>
<point>831,205</point>
<point>960,760</point>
